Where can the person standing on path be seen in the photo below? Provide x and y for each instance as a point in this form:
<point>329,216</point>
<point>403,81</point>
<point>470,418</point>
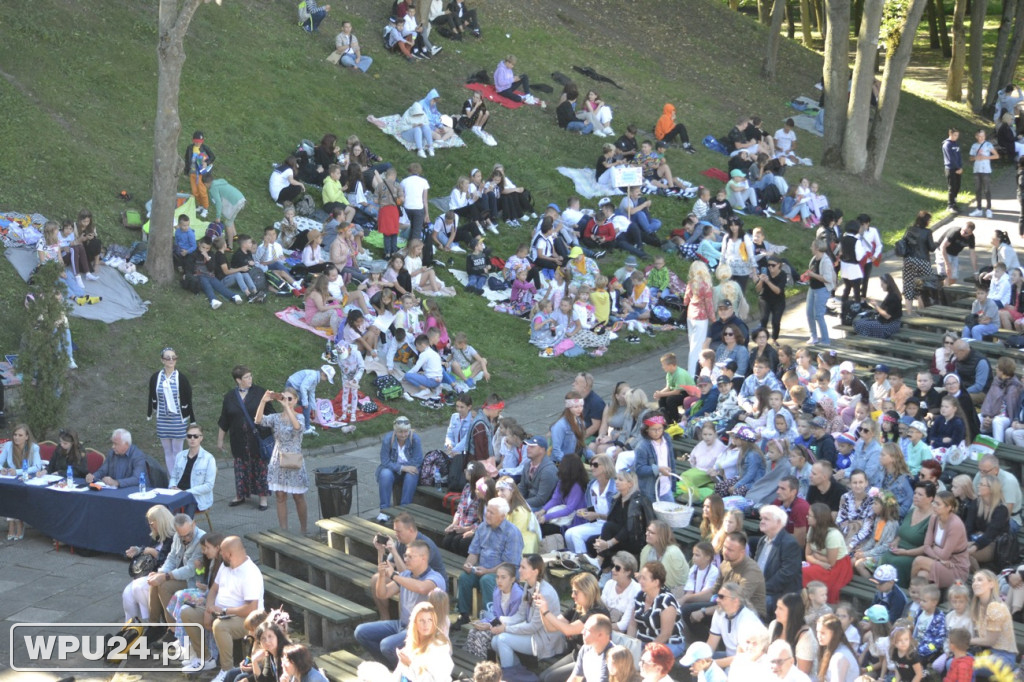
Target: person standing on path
<point>982,154</point>
<point>954,167</point>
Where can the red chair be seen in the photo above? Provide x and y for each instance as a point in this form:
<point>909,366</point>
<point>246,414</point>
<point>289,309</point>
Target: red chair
<point>94,460</point>
<point>46,449</point>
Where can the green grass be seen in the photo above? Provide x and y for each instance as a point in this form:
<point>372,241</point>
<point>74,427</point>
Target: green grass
<point>78,91</point>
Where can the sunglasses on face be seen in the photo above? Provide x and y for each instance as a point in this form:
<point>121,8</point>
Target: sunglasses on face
<point>728,334</point>
<point>191,436</point>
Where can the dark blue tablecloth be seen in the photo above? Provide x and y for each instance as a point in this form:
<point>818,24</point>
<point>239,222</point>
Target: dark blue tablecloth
<point>104,521</point>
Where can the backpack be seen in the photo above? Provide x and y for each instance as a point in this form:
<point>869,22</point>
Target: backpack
<point>714,145</point>
<point>303,13</point>
<point>214,230</point>
<point>388,387</point>
<point>190,282</point>
<point>305,206</point>
<point>434,470</point>
<point>1015,341</point>
<point>771,194</point>
<point>661,314</point>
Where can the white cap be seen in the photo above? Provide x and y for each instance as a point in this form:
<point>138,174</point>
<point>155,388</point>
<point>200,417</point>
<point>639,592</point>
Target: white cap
<point>328,372</point>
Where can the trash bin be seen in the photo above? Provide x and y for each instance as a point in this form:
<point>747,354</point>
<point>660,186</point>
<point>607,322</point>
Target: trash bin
<point>334,486</point>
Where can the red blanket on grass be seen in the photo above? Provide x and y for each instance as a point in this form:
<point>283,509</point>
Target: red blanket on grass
<point>492,95</point>
<point>360,415</point>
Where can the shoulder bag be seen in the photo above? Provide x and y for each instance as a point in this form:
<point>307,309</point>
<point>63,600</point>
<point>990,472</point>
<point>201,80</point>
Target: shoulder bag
<point>267,443</point>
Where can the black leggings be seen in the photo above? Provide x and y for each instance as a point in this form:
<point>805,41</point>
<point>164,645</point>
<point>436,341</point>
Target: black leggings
<point>851,285</point>
<point>456,543</point>
<point>289,193</point>
<point>773,311</point>
<point>540,264</point>
<point>680,132</point>
<point>864,280</point>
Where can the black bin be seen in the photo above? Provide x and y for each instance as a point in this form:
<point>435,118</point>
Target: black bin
<point>334,486</point>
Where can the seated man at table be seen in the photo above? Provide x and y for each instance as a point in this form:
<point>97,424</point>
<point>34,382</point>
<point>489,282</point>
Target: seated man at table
<point>178,569</point>
<point>236,592</point>
<point>123,464</point>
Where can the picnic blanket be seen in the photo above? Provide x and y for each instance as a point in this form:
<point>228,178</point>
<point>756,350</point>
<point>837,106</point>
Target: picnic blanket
<point>491,95</point>
<point>808,123</point>
<point>805,104</point>
<point>361,416</point>
<point>120,300</point>
<point>18,229</point>
<point>296,318</point>
<point>463,279</point>
<point>585,181</point>
<point>389,126</point>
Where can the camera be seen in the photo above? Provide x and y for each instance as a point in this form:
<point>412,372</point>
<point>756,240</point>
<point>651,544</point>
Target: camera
<point>763,270</point>
<point>380,539</point>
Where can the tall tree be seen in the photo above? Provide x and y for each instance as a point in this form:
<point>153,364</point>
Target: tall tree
<point>940,16</point>
<point>1003,72</point>
<point>955,79</point>
<point>858,117</point>
<point>1002,48</point>
<point>771,56</point>
<point>43,360</point>
<point>900,43</point>
<point>974,66</point>
<point>805,23</point>
<point>836,79</point>
<point>172,26</point>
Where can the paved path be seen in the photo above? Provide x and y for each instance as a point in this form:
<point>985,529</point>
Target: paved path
<point>39,584</point>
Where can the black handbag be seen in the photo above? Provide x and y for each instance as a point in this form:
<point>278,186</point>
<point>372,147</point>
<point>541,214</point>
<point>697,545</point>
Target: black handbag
<point>140,565</point>
<point>1007,549</point>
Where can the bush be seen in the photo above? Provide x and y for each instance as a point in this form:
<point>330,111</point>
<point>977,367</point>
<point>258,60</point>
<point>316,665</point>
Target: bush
<point>43,360</point>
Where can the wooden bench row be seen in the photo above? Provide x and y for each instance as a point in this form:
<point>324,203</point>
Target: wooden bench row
<point>327,619</point>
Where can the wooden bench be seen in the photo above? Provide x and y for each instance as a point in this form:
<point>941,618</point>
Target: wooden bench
<point>430,497</point>
<point>327,619</point>
<point>317,564</point>
<point>920,355</point>
<point>340,666</point>
<point>353,535</point>
<point>431,522</point>
<point>863,358</point>
<point>860,590</point>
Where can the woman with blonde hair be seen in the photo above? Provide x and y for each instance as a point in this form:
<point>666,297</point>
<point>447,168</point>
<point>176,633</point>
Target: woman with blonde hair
<point>700,309</point>
<point>520,514</point>
<point>621,666</point>
<point>320,310</point>
<point>135,596</point>
<point>424,279</point>
<point>991,619</point>
<point>990,519</point>
<point>586,598</point>
<point>427,654</point>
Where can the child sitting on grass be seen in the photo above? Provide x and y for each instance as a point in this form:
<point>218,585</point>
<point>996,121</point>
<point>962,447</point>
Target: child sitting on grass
<point>477,267</point>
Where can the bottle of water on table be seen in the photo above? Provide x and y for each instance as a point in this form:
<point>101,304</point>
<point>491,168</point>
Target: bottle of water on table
<point>24,470</point>
<point>71,477</point>
<point>142,482</point>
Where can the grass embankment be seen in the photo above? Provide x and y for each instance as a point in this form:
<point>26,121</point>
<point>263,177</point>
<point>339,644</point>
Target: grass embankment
<point>79,92</point>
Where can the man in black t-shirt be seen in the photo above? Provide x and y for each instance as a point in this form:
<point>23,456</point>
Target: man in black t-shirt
<point>770,284</point>
<point>947,257</point>
<point>823,488</point>
<point>626,144</point>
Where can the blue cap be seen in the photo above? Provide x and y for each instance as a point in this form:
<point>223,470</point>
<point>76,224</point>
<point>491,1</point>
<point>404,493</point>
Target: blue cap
<point>539,441</point>
<point>555,206</point>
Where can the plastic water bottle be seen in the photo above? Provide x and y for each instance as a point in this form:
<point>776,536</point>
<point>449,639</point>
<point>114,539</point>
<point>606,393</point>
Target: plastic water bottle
<point>142,482</point>
<point>71,477</point>
<point>24,470</point>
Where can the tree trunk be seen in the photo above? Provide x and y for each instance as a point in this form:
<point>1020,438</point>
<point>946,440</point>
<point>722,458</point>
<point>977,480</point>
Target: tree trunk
<point>999,58</point>
<point>173,22</point>
<point>933,27</point>
<point>763,9</point>
<point>955,79</point>
<point>1016,45</point>
<point>857,12</point>
<point>892,79</point>
<point>974,74</point>
<point>774,38</point>
<point>858,116</point>
<point>790,24</point>
<point>819,12</point>
<point>836,79</point>
<point>734,5</point>
<point>805,23</point>
<point>940,14</point>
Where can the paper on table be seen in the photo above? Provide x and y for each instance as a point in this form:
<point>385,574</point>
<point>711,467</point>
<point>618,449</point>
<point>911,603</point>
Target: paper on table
<point>65,489</point>
<point>38,481</point>
<point>9,476</point>
<point>165,491</point>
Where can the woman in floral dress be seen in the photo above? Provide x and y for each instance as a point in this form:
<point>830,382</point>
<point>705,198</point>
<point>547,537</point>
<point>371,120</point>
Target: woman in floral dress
<point>283,481</point>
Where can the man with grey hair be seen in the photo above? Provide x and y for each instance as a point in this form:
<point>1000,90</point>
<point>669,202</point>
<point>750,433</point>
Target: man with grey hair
<point>778,555</point>
<point>732,617</point>
<point>593,405</point>
<point>123,465</point>
<point>496,541</point>
<point>782,664</point>
<point>178,569</point>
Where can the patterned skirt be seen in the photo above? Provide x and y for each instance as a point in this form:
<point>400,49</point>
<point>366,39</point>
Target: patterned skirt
<point>291,481</point>
<point>876,329</point>
<point>250,477</point>
<point>913,270</point>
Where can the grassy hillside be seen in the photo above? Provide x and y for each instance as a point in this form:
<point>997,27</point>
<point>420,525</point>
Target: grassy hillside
<point>78,91</point>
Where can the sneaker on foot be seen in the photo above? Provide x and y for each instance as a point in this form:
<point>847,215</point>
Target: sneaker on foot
<point>382,518</point>
<point>191,663</point>
<point>689,149</point>
<point>430,151</point>
<point>222,676</point>
<point>215,303</point>
<point>492,229</point>
<point>72,365</point>
<point>310,431</point>
<point>599,254</point>
<point>92,277</point>
<point>435,49</point>
<point>202,212</point>
<point>237,299</point>
<point>988,213</point>
<point>406,396</point>
<point>976,213</point>
<point>420,153</point>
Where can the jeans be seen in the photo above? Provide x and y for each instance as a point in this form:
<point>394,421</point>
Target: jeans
<point>363,64</point>
<point>645,222</point>
<point>983,189</point>
<point>581,127</point>
<point>416,218</point>
<point>390,244</point>
<point>315,19</point>
<point>209,285</point>
<point>630,241</point>
<point>478,281</point>
<point>381,638</point>
<point>420,136</point>
<point>386,482</point>
<point>979,331</point>
<point>308,403</point>
<point>816,300</point>
<point>421,380</point>
<point>577,536</point>
<point>507,646</point>
<point>469,582</point>
<point>242,280</point>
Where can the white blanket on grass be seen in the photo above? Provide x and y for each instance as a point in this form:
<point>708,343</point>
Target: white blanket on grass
<point>463,279</point>
<point>586,183</point>
<point>389,125</point>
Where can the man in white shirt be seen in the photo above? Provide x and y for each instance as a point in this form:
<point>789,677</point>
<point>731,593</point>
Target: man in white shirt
<point>872,242</point>
<point>270,256</point>
<point>982,154</point>
<point>426,374</point>
<point>730,617</point>
<point>592,662</point>
<point>417,203</point>
<point>236,592</point>
<point>785,143</point>
<point>782,664</point>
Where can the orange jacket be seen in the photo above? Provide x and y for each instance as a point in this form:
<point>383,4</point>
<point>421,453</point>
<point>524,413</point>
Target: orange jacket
<point>666,123</point>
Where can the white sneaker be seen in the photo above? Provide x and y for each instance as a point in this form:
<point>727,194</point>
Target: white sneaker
<point>91,277</point>
<point>202,212</point>
<point>215,303</point>
<point>599,133</point>
<point>458,249</point>
<point>81,284</point>
<point>196,666</point>
<point>430,151</point>
<point>477,130</point>
<point>237,299</point>
<point>222,676</point>
<point>311,431</point>
<point>488,139</point>
<point>493,229</point>
<point>533,216</point>
<point>382,518</point>
<point>422,154</point>
<point>435,49</point>
<point>988,213</point>
<point>72,365</point>
<point>976,213</point>
<point>191,663</point>
<point>406,396</point>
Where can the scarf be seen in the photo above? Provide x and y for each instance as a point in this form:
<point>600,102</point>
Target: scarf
<point>581,264</point>
<point>168,384</point>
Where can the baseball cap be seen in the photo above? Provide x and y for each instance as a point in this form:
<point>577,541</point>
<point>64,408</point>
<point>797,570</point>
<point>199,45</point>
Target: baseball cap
<point>846,367</point>
<point>884,574</point>
<point>737,173</point>
<point>630,261</point>
<point>555,206</point>
<point>819,423</point>
<point>704,379</point>
<point>881,368</point>
<point>539,441</point>
<point>328,372</point>
<point>919,426</point>
<point>724,379</point>
<point>877,613</point>
<point>698,651</point>
<point>575,252</point>
<point>604,201</point>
